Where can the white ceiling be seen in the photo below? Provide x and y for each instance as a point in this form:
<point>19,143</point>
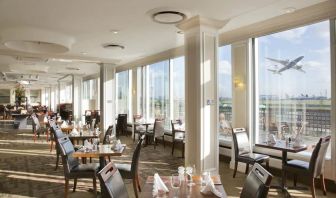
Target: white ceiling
<point>88,25</point>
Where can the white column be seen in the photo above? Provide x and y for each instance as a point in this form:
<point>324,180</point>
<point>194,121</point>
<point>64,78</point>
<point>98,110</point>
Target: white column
<point>201,45</point>
<point>107,96</point>
<point>77,97</point>
<point>241,95</point>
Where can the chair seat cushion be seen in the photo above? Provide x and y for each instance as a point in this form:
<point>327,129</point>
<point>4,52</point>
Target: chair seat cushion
<point>125,170</point>
<point>298,164</point>
<point>91,167</point>
<point>254,157</point>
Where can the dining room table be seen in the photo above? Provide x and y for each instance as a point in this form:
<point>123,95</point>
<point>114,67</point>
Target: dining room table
<point>144,123</point>
<point>184,190</point>
<point>284,147</point>
<point>84,136</point>
<point>102,151</point>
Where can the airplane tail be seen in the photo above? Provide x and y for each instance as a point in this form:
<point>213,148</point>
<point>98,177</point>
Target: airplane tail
<point>274,71</point>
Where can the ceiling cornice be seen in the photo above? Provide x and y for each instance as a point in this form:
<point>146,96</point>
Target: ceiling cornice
<point>308,15</point>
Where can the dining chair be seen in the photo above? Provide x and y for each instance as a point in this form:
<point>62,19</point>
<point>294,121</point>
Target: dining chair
<point>121,128</point>
<point>112,185</point>
<point>108,133</point>
<point>137,129</point>
<point>314,168</point>
<point>130,171</point>
<point>157,132</point>
<point>178,137</point>
<point>73,169</point>
<point>36,126</point>
<point>243,152</point>
<point>257,183</point>
<point>57,133</point>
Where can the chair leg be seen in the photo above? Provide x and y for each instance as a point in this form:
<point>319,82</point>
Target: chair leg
<point>154,141</point>
<point>133,136</point>
<point>183,150</point>
<point>138,182</point>
<point>66,188</point>
<point>323,184</point>
<point>295,180</point>
<point>267,165</point>
<point>164,143</point>
<point>75,184</point>
<point>135,188</point>
<point>51,145</point>
<point>94,186</point>
<point>312,187</point>
<point>235,169</point>
<point>247,168</point>
<point>173,148</point>
<point>57,160</point>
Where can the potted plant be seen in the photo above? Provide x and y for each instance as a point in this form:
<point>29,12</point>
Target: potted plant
<point>19,92</point>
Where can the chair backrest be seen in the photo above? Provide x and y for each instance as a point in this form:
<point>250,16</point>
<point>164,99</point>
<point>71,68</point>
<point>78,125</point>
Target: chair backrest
<point>57,132</point>
<point>111,182</point>
<point>67,148</point>
<point>121,123</point>
<point>108,132</point>
<point>316,164</point>
<point>257,183</point>
<point>36,123</point>
<point>240,141</point>
<point>136,156</point>
<point>158,128</point>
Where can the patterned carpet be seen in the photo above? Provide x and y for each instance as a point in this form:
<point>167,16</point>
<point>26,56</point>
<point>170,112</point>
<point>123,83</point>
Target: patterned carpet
<point>27,168</point>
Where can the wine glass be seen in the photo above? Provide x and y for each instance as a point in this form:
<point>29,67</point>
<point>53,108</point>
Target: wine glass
<point>175,183</point>
<point>189,171</point>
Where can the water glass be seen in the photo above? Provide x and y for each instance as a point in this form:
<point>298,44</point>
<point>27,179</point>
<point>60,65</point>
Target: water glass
<point>175,183</point>
<point>189,172</point>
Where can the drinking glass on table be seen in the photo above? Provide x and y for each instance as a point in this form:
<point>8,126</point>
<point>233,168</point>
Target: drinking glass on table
<point>189,171</point>
<point>175,183</point>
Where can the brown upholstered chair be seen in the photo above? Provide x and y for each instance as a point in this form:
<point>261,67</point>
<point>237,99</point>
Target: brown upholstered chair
<point>157,132</point>
<point>72,168</point>
<point>257,183</point>
<point>243,151</point>
<point>130,171</point>
<point>178,137</point>
<point>314,168</point>
<point>112,185</point>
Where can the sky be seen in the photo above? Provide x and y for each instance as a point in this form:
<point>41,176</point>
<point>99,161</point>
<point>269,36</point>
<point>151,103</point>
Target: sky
<point>312,42</point>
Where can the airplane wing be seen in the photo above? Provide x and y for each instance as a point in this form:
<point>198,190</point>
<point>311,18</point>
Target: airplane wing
<point>282,62</point>
<point>274,71</point>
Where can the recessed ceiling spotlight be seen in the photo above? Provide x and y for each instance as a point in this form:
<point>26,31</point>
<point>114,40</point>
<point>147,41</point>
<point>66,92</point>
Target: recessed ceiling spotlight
<point>84,53</point>
<point>289,10</point>
<point>114,31</point>
<point>168,17</point>
<point>113,46</point>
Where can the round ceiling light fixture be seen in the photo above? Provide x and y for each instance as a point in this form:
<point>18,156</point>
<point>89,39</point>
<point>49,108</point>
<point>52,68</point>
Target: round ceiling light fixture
<point>35,46</point>
<point>113,46</point>
<point>168,17</point>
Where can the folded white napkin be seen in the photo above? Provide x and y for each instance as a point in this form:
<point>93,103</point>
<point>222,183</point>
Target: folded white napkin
<point>64,125</point>
<point>74,132</point>
<point>45,119</point>
<point>159,185</point>
<point>118,145</point>
<point>210,188</point>
<point>87,144</point>
<point>271,139</point>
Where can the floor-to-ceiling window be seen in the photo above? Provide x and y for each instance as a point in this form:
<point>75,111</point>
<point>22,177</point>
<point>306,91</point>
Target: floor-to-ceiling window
<point>90,94</point>
<point>157,82</point>
<point>123,93</point>
<point>294,83</point>
<point>225,90</point>
<point>177,85</point>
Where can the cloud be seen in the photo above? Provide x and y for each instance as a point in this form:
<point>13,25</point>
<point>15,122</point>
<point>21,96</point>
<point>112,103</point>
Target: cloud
<point>323,51</point>
<point>313,64</point>
<point>224,67</point>
<point>291,35</point>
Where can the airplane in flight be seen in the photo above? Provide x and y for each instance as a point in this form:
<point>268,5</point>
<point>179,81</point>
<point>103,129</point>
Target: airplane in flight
<point>287,65</point>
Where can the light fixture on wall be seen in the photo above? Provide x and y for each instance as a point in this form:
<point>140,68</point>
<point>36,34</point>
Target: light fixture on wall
<point>238,83</point>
